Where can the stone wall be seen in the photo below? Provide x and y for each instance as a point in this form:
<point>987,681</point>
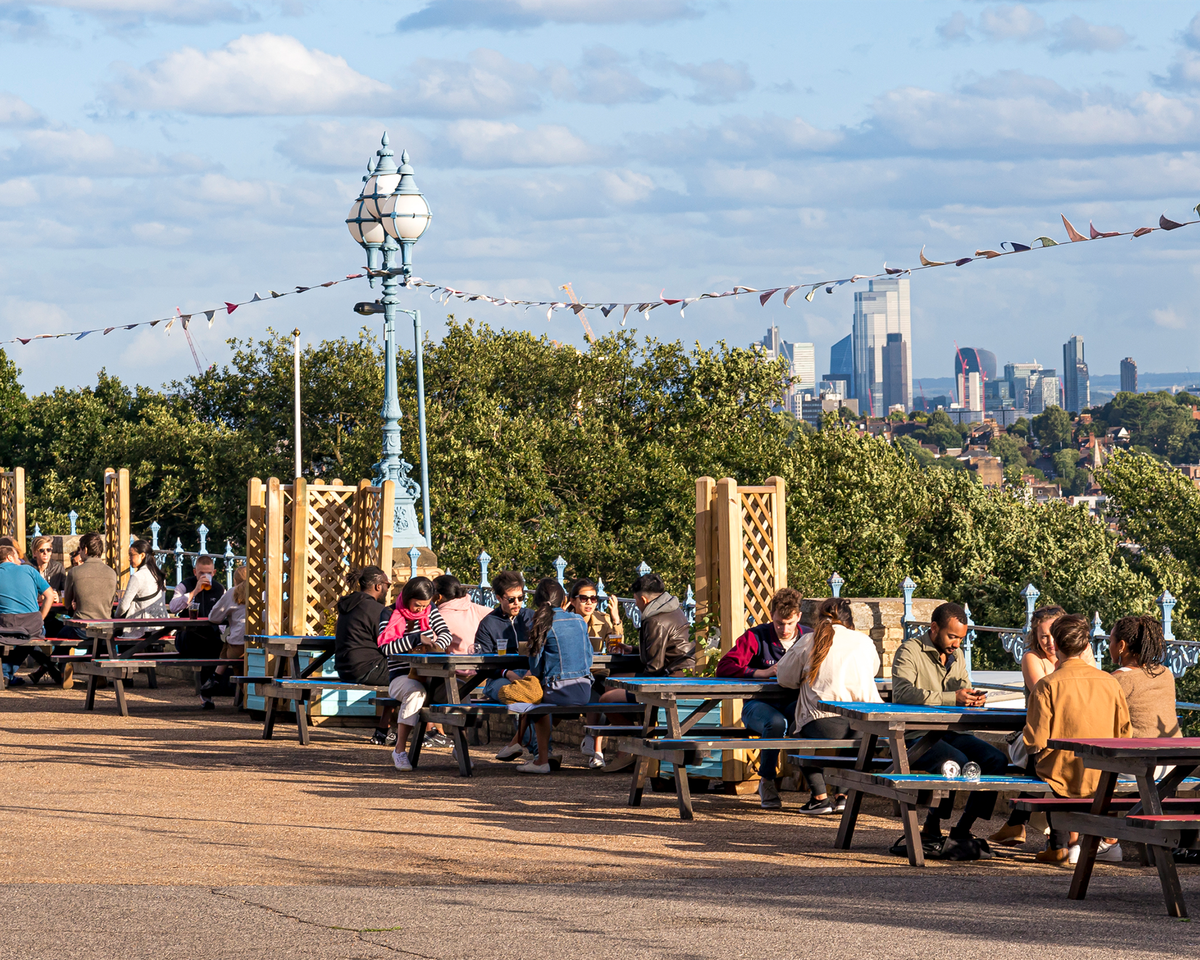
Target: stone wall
<point>880,618</point>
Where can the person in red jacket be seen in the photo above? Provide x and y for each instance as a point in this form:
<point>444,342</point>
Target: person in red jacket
<point>755,656</point>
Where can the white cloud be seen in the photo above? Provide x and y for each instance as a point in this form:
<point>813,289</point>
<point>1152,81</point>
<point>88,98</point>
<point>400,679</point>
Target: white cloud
<point>490,85</point>
<point>489,143</point>
<point>626,186</point>
<point>1076,35</point>
<point>954,28</point>
<point>260,74</point>
<point>15,112</point>
<point>1016,22</point>
<point>527,14</point>
<point>1169,319</point>
<point>18,193</point>
<point>337,146</point>
<point>601,77</point>
<point>154,233</point>
<point>66,150</point>
<point>717,81</point>
<point>137,12</point>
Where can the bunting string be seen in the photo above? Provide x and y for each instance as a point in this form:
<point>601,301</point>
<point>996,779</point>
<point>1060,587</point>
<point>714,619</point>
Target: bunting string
<point>443,294</point>
<point>184,318</point>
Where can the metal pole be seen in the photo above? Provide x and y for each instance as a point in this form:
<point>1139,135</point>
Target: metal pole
<point>296,367</point>
<point>416,315</point>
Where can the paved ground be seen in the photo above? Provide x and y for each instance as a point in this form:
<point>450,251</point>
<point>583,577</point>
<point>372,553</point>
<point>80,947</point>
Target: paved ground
<point>192,837</point>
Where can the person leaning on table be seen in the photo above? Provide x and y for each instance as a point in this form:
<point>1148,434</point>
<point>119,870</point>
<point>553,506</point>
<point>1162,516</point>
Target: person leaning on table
<point>356,654</point>
<point>930,671</point>
<point>1076,702</point>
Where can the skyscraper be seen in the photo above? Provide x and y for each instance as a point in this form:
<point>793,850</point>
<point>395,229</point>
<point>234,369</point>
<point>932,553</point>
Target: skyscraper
<point>969,360</point>
<point>896,373</point>
<point>881,309</point>
<point>1128,375</point>
<point>1077,392</point>
<point>841,365</point>
<point>801,364</point>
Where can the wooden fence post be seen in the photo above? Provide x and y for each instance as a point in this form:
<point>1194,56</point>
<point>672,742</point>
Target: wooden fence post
<point>116,522</point>
<point>273,555</point>
<point>12,504</point>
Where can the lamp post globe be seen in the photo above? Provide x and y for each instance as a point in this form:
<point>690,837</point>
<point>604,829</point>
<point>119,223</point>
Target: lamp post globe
<point>385,221</point>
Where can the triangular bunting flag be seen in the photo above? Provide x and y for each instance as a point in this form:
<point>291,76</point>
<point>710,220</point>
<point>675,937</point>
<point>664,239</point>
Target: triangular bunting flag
<point>275,295</point>
<point>930,263</point>
<point>1074,234</point>
<point>1168,224</point>
<point>1098,233</point>
<point>108,330</point>
<point>255,298</point>
<point>767,295</point>
<point>230,307</point>
<point>788,295</point>
<point>1142,231</point>
<point>210,314</point>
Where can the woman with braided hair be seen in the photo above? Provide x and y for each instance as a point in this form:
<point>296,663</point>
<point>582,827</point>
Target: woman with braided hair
<point>835,662</point>
<point>1137,646</point>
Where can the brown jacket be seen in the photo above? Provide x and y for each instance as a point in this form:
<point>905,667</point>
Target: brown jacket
<point>665,644</point>
<point>91,588</point>
<point>1079,702</point>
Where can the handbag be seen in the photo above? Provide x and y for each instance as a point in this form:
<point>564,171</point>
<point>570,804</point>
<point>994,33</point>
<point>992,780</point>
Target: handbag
<point>528,689</point>
<point>1018,755</point>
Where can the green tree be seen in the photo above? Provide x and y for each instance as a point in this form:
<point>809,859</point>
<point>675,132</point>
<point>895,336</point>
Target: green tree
<point>13,402</point>
<point>1053,427</point>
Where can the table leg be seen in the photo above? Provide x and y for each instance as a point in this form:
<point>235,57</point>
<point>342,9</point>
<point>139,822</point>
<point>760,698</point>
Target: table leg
<point>418,737</point>
<point>1089,845</point>
<point>151,678</point>
<point>301,704</point>
<point>683,792</point>
<point>899,749</point>
<point>459,736</point>
<point>269,701</point>
<point>89,700</point>
<point>119,687</point>
<point>845,834</point>
<point>912,835</point>
<point>638,784</point>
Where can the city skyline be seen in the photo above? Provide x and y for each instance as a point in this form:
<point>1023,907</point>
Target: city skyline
<point>663,148</point>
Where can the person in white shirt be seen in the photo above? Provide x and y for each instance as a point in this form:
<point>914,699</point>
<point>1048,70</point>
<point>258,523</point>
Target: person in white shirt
<point>835,662</point>
<point>144,593</point>
<point>230,614</point>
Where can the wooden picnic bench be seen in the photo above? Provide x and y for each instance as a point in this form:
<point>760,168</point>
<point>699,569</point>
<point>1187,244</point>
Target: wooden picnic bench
<point>11,640</point>
<point>1147,822</point>
<point>118,670</point>
<point>108,632</point>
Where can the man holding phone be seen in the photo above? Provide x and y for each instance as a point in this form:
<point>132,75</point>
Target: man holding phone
<point>198,594</point>
<point>930,671</point>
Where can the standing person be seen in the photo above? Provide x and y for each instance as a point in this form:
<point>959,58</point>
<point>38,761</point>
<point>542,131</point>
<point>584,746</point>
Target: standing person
<point>560,656</point>
<point>665,645</point>
<point>412,623</point>
<point>91,586</point>
<point>1076,701</point>
<point>229,613</point>
<point>199,594</point>
<point>1137,646</point>
<point>462,615</point>
<point>755,655</point>
<point>25,600</point>
<point>929,671</point>
<point>833,663</point>
<point>356,653</point>
<point>603,625</point>
<point>143,596</point>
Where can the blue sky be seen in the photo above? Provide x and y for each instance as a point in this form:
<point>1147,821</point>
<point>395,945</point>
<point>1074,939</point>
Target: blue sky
<point>158,154</point>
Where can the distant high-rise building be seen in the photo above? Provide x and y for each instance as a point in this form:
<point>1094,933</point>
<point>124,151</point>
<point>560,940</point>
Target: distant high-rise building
<point>973,360</point>
<point>804,366</point>
<point>801,365</point>
<point>896,372</point>
<point>881,309</point>
<point>1077,393</point>
<point>841,365</point>
<point>1128,375</point>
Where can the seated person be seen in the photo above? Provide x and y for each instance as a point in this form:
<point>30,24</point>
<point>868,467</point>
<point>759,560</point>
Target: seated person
<point>91,586</point>
<point>230,615</point>
<point>929,671</point>
<point>1080,702</point>
<point>412,624</point>
<point>356,654</point>
<point>1137,646</point>
<point>835,662</point>
<point>604,626</point>
<point>755,656</point>
<point>201,640</point>
<point>560,656</point>
<point>25,601</point>
<point>665,645</point>
<point>461,613</point>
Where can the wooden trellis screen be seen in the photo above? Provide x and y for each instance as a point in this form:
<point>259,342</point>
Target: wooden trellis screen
<point>116,522</point>
<point>302,541</point>
<point>741,560</point>
<point>12,504</point>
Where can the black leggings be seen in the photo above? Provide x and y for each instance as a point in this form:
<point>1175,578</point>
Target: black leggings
<point>1019,818</point>
<point>823,728</point>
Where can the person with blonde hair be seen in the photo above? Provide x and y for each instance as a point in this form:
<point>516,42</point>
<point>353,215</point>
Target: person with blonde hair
<point>835,662</point>
<point>41,558</point>
<point>229,614</point>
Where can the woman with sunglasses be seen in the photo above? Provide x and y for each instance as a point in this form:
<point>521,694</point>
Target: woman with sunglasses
<point>603,625</point>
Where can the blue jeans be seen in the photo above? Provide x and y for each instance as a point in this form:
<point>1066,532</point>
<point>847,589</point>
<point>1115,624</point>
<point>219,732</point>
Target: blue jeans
<point>770,720</point>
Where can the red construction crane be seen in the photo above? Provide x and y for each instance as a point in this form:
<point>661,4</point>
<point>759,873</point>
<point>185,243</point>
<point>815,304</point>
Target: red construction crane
<point>587,327</point>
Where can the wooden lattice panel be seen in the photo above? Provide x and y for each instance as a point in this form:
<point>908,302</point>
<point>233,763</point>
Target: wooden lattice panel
<point>12,504</point>
<point>323,531</point>
<point>256,553</point>
<point>116,522</point>
<point>758,553</point>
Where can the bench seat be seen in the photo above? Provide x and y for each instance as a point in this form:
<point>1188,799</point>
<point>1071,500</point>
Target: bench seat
<point>1054,804</point>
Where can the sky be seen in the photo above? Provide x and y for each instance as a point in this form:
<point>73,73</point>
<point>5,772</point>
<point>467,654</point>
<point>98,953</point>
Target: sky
<point>163,154</point>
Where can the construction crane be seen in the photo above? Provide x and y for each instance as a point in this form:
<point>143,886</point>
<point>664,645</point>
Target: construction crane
<point>191,343</point>
<point>924,402</point>
<point>587,327</point>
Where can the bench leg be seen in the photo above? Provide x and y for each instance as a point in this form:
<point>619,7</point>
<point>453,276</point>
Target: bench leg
<point>1169,878</point>
<point>89,700</point>
<point>912,835</point>
<point>418,737</point>
<point>119,687</point>
<point>638,782</point>
<point>268,717</point>
<point>845,834</point>
<point>459,736</point>
<point>683,792</point>
<point>152,679</point>
<point>302,721</point>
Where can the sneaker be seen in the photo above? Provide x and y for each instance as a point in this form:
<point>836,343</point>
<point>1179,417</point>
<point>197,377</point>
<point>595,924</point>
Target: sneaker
<point>454,754</point>
<point>768,793</point>
<point>1055,855</point>
<point>207,705</point>
<point>384,738</point>
<point>595,762</point>
<point>817,808</point>
<point>435,739</point>
<point>839,803</point>
<point>532,766</point>
<point>1109,852</point>
<point>1009,835</point>
<point>965,848</point>
<point>15,681</point>
<point>510,751</point>
<point>588,749</point>
<point>400,759</point>
<point>1073,854</point>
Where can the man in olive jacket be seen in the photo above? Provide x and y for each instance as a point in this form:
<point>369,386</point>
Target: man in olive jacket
<point>930,671</point>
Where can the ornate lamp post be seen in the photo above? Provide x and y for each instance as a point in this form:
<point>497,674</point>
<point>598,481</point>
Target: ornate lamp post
<point>388,217</point>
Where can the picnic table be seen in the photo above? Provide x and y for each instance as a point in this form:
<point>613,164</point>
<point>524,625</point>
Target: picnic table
<point>873,721</point>
<point>273,688</point>
<point>1145,823</point>
<point>11,640</point>
<point>109,631</point>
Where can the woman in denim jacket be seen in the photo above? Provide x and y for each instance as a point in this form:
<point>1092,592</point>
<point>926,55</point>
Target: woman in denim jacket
<point>560,656</point>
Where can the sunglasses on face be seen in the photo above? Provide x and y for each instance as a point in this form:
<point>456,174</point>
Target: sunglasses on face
<point>516,599</point>
<point>587,598</point>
